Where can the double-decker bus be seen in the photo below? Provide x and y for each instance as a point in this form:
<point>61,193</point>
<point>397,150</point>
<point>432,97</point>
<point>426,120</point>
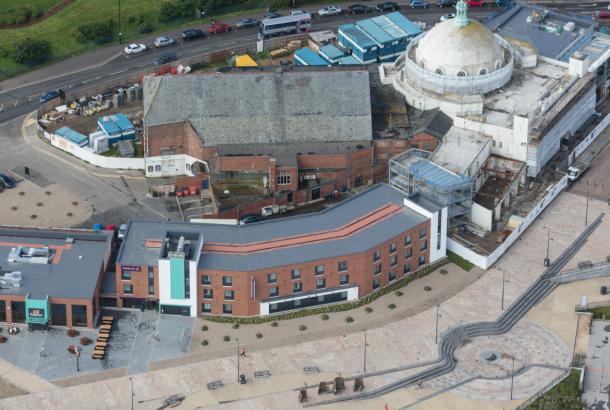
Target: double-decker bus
<point>279,26</point>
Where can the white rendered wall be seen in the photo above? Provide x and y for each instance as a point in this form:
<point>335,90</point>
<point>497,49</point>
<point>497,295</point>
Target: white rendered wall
<point>165,288</point>
<point>438,243</point>
<point>481,216</point>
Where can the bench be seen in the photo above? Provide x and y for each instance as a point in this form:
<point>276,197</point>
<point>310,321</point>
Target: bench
<point>103,337</point>
<point>105,327</point>
<point>262,373</point>
<point>214,385</point>
<point>98,354</point>
<point>101,344</point>
<point>107,318</point>
<point>104,331</point>
<point>312,369</point>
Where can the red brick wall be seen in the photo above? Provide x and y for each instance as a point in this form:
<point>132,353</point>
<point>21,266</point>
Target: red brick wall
<point>322,161</point>
<point>294,180</point>
<point>178,136</point>
<point>139,281</point>
<point>245,163</point>
<point>424,141</point>
<point>68,302</point>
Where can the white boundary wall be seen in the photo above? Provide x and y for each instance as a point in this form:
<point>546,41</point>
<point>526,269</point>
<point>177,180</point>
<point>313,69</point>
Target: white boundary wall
<point>485,262</point>
<point>91,157</point>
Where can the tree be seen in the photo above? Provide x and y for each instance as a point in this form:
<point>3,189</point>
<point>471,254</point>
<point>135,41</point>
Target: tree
<point>30,51</point>
<point>172,10</point>
<point>98,31</point>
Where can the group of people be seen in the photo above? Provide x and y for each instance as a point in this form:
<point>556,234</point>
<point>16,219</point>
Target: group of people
<point>13,329</point>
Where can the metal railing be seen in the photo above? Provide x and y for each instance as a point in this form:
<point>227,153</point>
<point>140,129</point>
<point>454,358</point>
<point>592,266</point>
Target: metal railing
<point>593,271</point>
<point>588,306</point>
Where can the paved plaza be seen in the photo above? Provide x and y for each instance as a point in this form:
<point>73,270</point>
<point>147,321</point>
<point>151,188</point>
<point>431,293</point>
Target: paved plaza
<point>597,375</point>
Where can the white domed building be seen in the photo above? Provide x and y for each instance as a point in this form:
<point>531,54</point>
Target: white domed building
<point>452,65</point>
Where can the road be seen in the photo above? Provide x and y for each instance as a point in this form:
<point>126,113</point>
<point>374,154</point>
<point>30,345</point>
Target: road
<point>109,63</point>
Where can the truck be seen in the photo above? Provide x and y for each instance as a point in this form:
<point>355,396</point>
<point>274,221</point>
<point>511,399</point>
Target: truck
<point>576,170</point>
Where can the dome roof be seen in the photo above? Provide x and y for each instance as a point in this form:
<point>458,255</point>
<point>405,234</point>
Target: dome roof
<point>451,49</point>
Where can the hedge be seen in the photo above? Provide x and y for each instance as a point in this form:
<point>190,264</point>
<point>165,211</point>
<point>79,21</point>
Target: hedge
<point>339,307</point>
<point>459,261</point>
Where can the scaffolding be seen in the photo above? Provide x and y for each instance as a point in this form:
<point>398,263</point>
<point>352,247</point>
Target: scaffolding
<point>412,171</point>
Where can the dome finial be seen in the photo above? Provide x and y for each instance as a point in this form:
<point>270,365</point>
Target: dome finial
<point>461,17</point>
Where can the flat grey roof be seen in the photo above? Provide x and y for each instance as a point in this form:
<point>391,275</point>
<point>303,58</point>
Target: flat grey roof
<point>72,277</point>
<point>264,106</point>
<point>426,202</point>
<point>134,252</point>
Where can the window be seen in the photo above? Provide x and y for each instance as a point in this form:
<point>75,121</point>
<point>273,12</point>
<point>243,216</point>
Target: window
<point>208,294</point>
<point>206,307</point>
<point>483,71</point>
<point>188,167</point>
<point>500,144</point>
<point>227,309</point>
<point>125,274</point>
<point>128,289</point>
<point>283,178</point>
<point>342,266</point>
<point>423,245</point>
<point>343,279</point>
<point>157,168</point>
<point>393,247</point>
<point>391,276</point>
<point>273,291</point>
<point>296,273</point>
<point>229,295</point>
<point>422,260</point>
<point>151,290</point>
<point>320,283</point>
<point>461,73</point>
<point>377,255</point>
<point>394,260</point>
<point>408,253</point>
<point>227,281</point>
<point>151,281</point>
<point>272,277</point>
<point>358,181</point>
<point>378,269</point>
<point>206,280</point>
<point>422,232</point>
<point>376,283</point>
<point>408,240</point>
<point>439,71</point>
<point>150,168</point>
<point>493,143</point>
<point>319,269</point>
<point>297,287</point>
<point>407,268</point>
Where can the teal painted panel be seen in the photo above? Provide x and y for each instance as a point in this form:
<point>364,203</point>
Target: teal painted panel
<point>176,271</point>
<point>36,311</point>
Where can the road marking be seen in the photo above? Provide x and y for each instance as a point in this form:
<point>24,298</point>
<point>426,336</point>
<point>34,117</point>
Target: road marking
<point>1,107</point>
<point>119,72</point>
<point>16,102</point>
<point>198,50</point>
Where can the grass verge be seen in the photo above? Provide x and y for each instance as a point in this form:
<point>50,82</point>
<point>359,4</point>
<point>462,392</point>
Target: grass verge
<point>459,261</point>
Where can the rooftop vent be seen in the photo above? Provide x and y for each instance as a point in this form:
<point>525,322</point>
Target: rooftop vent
<point>69,240</point>
<point>27,254</point>
<point>10,280</point>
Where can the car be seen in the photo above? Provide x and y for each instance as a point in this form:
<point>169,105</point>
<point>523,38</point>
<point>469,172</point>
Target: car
<point>359,9</point>
<point>297,11</point>
<point>475,3</point>
<point>330,11</point>
<point>135,48</point>
<point>445,3</point>
<point>419,4</point>
<point>601,15</point>
<point>246,22</point>
<point>250,218</point>
<point>447,16</point>
<point>165,58</point>
<point>192,34</point>
<point>122,231</point>
<point>218,28</point>
<point>387,6</point>
<point>164,41</point>
<point>7,182</point>
<point>273,15</point>
<point>48,96</point>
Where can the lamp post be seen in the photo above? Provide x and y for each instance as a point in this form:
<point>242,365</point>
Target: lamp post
<point>436,333</point>
<point>237,339</point>
<point>131,386</point>
<point>547,261</point>
<point>364,358</point>
<point>512,379</point>
<point>587,206</point>
<point>120,33</point>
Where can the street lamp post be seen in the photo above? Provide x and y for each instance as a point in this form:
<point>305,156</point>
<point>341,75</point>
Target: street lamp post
<point>364,358</point>
<point>237,339</point>
<point>587,207</point>
<point>131,385</point>
<point>120,33</point>
<point>512,379</point>
<point>436,333</point>
<point>547,261</point>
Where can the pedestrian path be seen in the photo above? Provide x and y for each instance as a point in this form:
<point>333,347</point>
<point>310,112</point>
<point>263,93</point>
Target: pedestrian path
<point>24,379</point>
<point>146,335</point>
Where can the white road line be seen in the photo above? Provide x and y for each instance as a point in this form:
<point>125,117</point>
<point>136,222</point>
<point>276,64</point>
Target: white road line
<point>16,102</point>
<point>119,72</point>
<point>1,107</point>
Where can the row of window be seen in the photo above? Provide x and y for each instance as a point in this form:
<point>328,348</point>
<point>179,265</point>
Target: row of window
<point>407,242</point>
<point>227,309</point>
<point>128,288</point>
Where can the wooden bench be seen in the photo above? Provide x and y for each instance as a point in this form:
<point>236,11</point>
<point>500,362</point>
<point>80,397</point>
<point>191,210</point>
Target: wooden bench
<point>105,327</point>
<point>98,353</point>
<point>101,344</point>
<point>104,331</point>
<point>107,318</point>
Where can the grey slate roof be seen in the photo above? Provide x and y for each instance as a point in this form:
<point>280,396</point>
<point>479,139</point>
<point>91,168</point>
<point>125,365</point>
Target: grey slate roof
<point>264,106</point>
<point>435,123</point>
<point>71,278</point>
<point>133,251</point>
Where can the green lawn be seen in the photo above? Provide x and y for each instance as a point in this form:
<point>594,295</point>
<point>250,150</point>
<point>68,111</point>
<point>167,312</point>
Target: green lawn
<point>459,261</point>
<point>564,396</point>
<point>42,4</point>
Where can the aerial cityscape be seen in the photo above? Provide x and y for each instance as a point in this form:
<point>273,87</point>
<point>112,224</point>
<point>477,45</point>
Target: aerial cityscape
<point>287,204</point>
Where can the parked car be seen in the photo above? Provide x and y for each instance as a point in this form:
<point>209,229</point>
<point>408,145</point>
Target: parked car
<point>419,4</point>
<point>447,16</point>
<point>192,34</point>
<point>359,9</point>
<point>273,15</point>
<point>246,22</point>
<point>164,41</point>
<point>601,15</point>
<point>387,6</point>
<point>218,28</point>
<point>165,58</point>
<point>135,48</point>
<point>48,96</point>
<point>297,11</point>
<point>475,3</point>
<point>330,11</point>
<point>250,218</point>
<point>7,182</point>
<point>445,3</point>
<point>122,231</point>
